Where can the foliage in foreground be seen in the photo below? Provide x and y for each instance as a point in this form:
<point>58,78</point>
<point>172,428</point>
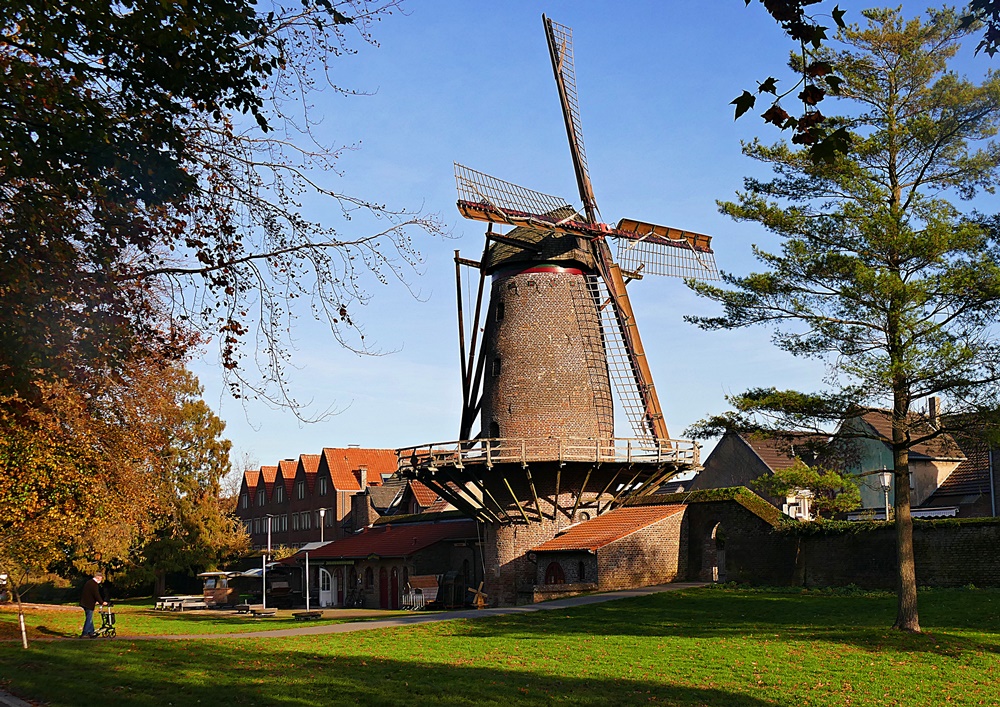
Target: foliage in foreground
<point>724,647</point>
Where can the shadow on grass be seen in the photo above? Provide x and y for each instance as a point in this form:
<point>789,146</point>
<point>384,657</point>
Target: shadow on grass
<point>214,673</point>
<point>861,621</point>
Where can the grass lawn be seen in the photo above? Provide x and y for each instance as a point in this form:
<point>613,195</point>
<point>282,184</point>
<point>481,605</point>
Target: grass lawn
<point>137,618</point>
<point>725,647</point>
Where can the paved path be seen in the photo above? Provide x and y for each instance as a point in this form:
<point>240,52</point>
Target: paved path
<point>422,618</point>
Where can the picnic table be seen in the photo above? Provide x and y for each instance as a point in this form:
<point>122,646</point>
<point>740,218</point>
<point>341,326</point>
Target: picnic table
<point>258,612</point>
<point>180,602</point>
<point>307,615</point>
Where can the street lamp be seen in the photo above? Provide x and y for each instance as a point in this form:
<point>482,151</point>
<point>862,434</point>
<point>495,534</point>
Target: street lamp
<point>263,569</point>
<point>322,522</point>
<point>885,478</point>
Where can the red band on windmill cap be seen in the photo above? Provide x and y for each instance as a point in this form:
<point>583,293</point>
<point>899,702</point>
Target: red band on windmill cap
<point>515,270</point>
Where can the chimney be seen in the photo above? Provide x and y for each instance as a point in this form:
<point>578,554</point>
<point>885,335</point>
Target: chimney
<point>364,476</point>
<point>362,513</point>
<point>933,410</point>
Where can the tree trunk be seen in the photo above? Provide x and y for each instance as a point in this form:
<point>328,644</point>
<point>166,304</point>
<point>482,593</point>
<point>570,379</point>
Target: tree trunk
<point>20,611</point>
<point>160,585</point>
<point>907,618</point>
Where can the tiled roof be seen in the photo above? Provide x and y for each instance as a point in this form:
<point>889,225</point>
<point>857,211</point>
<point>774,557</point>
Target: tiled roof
<point>345,464</point>
<point>250,478</point>
<point>609,527</point>
<point>780,452</point>
<point>269,474</point>
<point>382,497</point>
<point>395,540</point>
<point>287,469</point>
<point>972,476</point>
<point>424,496</point>
<point>941,447</point>
<point>310,465</point>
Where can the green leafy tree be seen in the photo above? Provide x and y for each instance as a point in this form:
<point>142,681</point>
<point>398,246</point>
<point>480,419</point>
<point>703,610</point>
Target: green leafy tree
<point>831,492</point>
<point>153,159</point>
<point>194,530</point>
<point>879,272</point>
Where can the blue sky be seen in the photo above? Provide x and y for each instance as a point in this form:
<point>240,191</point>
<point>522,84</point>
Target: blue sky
<point>470,81</point>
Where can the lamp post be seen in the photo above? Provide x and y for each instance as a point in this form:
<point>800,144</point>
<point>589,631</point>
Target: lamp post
<point>885,478</point>
<point>322,523</point>
<point>263,569</point>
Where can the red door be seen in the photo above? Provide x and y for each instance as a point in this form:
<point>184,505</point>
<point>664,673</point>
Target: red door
<point>383,589</point>
<point>339,574</point>
<point>394,589</point>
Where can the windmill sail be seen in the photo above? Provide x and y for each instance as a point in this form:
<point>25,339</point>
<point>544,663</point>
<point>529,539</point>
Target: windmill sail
<point>560,40</point>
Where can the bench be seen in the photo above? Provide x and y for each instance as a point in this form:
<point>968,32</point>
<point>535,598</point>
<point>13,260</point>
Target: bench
<point>242,608</point>
<point>307,615</point>
<point>258,613</point>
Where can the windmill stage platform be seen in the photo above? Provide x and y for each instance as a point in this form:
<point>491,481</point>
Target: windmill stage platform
<point>511,481</point>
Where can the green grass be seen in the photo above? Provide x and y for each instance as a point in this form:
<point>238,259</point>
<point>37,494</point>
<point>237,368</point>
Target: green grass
<point>136,618</point>
<point>719,647</point>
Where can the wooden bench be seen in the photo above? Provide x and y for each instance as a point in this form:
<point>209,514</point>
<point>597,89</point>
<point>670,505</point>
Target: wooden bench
<point>258,613</point>
<point>307,615</point>
<point>242,608</point>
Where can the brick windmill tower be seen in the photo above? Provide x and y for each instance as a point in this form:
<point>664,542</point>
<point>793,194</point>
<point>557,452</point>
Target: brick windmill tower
<point>559,336</point>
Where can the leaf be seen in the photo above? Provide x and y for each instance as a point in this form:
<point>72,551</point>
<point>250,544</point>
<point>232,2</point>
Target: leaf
<point>838,16</point>
<point>834,82</point>
<point>768,86</point>
<point>776,115</point>
<point>743,103</point>
<point>836,143</point>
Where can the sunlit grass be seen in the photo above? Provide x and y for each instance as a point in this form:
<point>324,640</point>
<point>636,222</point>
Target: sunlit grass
<point>697,647</point>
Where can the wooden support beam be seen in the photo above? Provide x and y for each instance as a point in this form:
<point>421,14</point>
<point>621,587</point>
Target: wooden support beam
<point>460,485</point>
<point>579,496</point>
<point>555,499</point>
<point>531,485</point>
<point>486,494</point>
<point>518,503</point>
<point>624,489</point>
<point>455,500</point>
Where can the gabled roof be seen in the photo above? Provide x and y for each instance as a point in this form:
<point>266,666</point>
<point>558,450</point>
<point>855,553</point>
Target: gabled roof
<point>940,447</point>
<point>972,476</point>
<point>609,527</point>
<point>395,540</point>
<point>344,465</point>
<point>424,497</point>
<point>269,474</point>
<point>780,452</point>
<point>382,497</point>
<point>286,467</point>
<point>309,463</point>
<point>250,478</point>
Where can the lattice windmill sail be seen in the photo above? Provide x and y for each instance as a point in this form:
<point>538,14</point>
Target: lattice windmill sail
<point>550,232</point>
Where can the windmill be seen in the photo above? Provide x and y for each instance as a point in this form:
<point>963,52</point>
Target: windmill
<point>548,230</point>
<point>558,334</point>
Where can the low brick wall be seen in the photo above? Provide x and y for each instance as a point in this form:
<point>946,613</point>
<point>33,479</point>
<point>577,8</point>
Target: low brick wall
<point>949,553</point>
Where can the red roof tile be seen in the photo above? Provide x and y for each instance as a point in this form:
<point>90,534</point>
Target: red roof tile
<point>395,540</point>
<point>310,465</point>
<point>287,469</point>
<point>605,529</point>
<point>344,465</point>
<point>424,496</point>
<point>269,474</point>
<point>250,478</point>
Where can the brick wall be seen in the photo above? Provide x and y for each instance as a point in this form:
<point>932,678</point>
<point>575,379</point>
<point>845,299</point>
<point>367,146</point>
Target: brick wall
<point>546,373</point>
<point>651,555</point>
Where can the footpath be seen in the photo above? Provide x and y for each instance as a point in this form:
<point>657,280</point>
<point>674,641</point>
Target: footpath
<point>421,618</point>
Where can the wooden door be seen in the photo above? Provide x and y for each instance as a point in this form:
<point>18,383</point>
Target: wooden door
<point>383,589</point>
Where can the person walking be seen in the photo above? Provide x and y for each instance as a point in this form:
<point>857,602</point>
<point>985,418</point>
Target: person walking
<point>90,599</point>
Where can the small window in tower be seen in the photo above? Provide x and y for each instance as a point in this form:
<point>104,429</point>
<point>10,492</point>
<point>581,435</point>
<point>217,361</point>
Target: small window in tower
<point>496,365</point>
<point>500,311</point>
<point>494,429</point>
